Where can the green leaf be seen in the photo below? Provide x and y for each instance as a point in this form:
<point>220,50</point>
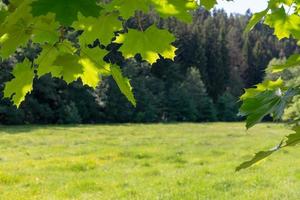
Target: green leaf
<point>16,29</point>
<point>259,106</point>
<point>66,11</point>
<point>293,139</point>
<point>208,4</point>
<point>123,83</point>
<point>258,103</point>
<point>18,87</point>
<point>62,62</point>
<point>292,61</point>
<point>147,44</point>
<point>3,12</point>
<point>102,28</point>
<point>165,8</point>
<point>127,8</point>
<point>258,157</point>
<point>93,66</point>
<point>266,85</point>
<point>45,30</point>
<point>290,140</point>
<point>257,17</point>
<point>284,25</point>
<point>48,56</point>
<point>68,66</point>
<point>175,8</point>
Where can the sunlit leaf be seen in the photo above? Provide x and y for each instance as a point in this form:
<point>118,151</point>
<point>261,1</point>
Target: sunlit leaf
<point>257,17</point>
<point>18,87</point>
<point>146,43</point>
<point>208,4</point>
<point>66,11</point>
<point>123,83</point>
<point>16,30</point>
<point>292,61</point>
<point>101,28</point>
<point>93,66</point>
<point>267,99</point>
<point>284,24</point>
<point>127,8</point>
<point>175,8</point>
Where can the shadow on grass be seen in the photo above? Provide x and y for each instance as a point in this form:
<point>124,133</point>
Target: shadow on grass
<point>17,129</point>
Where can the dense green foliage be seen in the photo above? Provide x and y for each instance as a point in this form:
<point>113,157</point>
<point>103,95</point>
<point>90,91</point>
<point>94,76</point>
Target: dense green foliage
<point>272,97</point>
<point>132,161</point>
<point>49,24</point>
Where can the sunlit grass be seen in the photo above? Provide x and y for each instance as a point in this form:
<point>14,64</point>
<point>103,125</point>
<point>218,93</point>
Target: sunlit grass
<point>179,161</point>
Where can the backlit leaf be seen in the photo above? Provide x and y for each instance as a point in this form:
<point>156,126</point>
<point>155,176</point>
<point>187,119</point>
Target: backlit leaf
<point>45,29</point>
<point>208,4</point>
<point>175,8</point>
<point>66,11</point>
<point>123,83</point>
<point>18,87</point>
<point>265,100</point>
<point>16,30</point>
<point>93,66</point>
<point>292,61</point>
<point>257,17</point>
<point>284,25</point>
<point>101,28</point>
<point>146,43</point>
<point>127,8</point>
<point>48,56</point>
<point>62,62</point>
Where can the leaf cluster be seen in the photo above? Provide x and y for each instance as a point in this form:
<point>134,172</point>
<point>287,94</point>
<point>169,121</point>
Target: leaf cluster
<point>272,97</point>
<point>48,22</point>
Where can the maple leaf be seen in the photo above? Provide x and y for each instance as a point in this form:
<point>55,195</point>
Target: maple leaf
<point>123,83</point>
<point>62,62</point>
<point>16,29</point>
<point>257,17</point>
<point>147,44</point>
<point>3,12</point>
<point>127,8</point>
<point>292,61</point>
<point>93,66</point>
<point>48,56</point>
<point>66,11</point>
<point>18,87</point>
<point>284,25</point>
<point>102,28</point>
<point>208,4</point>
<point>45,29</point>
<point>269,97</point>
<point>175,8</point>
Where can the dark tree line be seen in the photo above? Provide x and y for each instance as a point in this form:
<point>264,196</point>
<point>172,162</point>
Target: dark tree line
<point>215,61</point>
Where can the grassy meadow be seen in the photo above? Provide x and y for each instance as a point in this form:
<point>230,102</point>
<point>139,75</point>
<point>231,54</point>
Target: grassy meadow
<point>176,161</point>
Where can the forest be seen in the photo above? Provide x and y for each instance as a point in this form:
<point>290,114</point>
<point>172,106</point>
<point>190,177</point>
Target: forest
<point>215,61</point>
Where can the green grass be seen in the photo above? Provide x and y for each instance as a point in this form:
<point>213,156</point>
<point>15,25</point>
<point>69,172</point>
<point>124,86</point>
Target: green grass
<point>178,161</point>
